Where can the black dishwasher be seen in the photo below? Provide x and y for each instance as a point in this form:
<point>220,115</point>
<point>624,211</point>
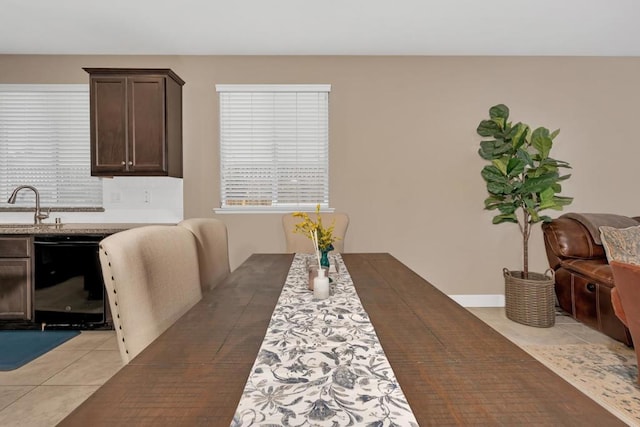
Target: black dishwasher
<point>69,289</point>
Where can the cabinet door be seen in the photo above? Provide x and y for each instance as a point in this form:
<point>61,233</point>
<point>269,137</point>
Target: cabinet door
<point>15,288</point>
<point>108,125</point>
<point>147,137</point>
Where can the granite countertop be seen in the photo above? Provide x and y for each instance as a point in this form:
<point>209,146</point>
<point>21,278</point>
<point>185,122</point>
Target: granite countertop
<point>74,228</point>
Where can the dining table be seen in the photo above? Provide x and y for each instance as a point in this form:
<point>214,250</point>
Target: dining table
<point>453,368</point>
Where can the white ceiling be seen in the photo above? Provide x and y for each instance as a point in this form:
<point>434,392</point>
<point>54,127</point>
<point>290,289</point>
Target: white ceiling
<point>327,27</point>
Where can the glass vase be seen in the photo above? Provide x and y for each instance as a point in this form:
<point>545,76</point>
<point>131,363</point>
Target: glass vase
<point>324,258</point>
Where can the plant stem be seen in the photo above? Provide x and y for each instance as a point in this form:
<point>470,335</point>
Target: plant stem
<point>526,232</point>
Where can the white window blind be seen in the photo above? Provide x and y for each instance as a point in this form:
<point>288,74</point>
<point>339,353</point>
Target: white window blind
<point>274,147</point>
<point>45,142</point>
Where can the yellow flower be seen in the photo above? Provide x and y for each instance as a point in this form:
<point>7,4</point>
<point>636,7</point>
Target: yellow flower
<point>309,227</point>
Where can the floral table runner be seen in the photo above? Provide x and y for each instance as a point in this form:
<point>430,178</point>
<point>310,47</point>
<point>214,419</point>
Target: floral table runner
<point>321,362</point>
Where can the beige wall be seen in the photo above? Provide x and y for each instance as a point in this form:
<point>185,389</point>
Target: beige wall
<point>403,159</point>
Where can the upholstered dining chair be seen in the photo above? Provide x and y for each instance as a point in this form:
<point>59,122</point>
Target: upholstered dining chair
<point>151,277</point>
<point>213,249</point>
<point>300,243</point>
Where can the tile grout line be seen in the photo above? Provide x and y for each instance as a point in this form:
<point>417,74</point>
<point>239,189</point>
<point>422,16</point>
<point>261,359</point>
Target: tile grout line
<point>34,388</point>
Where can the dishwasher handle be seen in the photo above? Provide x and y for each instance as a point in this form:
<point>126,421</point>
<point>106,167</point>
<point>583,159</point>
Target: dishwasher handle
<point>67,243</point>
<point>84,240</point>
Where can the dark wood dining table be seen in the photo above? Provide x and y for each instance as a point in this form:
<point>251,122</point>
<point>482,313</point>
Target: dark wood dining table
<point>453,368</point>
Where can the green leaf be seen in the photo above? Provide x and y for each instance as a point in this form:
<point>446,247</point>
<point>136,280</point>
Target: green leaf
<point>511,132</point>
<point>563,200</point>
<point>520,135</point>
<point>507,208</point>
<point>515,167</point>
<point>498,188</point>
<point>554,134</point>
<point>491,173</point>
<point>492,149</point>
<point>524,155</point>
<point>488,128</point>
<point>529,201</point>
<point>546,199</point>
<point>538,184</point>
<point>493,199</point>
<point>501,164</point>
<point>541,141</point>
<point>543,169</point>
<point>498,219</point>
<point>499,111</point>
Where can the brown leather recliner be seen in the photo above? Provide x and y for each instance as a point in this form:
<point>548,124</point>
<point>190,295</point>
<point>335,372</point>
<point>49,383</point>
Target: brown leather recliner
<point>584,279</point>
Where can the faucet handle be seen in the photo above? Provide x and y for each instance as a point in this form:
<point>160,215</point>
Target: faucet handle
<point>42,216</point>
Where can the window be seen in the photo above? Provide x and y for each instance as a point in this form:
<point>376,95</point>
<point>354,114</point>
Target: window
<point>274,147</point>
<point>45,142</point>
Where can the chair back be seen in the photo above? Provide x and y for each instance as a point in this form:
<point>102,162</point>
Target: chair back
<point>299,243</point>
<point>151,276</point>
<point>213,249</point>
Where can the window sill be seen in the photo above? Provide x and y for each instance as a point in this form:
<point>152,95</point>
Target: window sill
<point>258,210</point>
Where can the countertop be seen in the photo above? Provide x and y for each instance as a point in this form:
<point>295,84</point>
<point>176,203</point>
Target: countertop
<point>73,228</point>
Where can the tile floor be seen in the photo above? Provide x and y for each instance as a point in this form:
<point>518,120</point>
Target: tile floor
<point>44,391</point>
<point>565,331</point>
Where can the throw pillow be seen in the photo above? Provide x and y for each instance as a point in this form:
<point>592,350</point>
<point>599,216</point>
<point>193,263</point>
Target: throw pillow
<point>621,244</point>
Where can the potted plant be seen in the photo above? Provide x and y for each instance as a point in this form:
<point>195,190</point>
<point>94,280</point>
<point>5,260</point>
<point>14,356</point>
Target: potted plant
<point>522,180</point>
<point>321,236</point>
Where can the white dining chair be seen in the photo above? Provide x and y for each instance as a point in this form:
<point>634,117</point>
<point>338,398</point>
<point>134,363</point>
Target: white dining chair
<point>213,249</point>
<point>151,277</point>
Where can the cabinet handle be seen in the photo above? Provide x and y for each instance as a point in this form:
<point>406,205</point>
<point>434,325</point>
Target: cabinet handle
<point>130,163</point>
<point>591,287</point>
<point>123,163</point>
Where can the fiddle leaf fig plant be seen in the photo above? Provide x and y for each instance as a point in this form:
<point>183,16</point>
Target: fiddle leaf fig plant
<point>522,180</point>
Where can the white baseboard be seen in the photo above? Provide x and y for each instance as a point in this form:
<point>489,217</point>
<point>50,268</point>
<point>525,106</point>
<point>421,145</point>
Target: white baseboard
<point>479,300</point>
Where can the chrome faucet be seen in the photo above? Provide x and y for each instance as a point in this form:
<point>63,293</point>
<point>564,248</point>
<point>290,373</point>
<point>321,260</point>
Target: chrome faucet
<point>38,216</point>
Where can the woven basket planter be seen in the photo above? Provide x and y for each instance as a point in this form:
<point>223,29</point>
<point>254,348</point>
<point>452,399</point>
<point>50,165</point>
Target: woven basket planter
<point>530,301</point>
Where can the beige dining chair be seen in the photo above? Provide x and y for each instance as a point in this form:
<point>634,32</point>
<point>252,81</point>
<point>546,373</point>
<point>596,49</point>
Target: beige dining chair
<point>151,277</point>
<point>213,249</point>
<point>299,243</point>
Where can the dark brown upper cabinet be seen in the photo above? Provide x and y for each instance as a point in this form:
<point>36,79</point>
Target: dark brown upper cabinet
<point>136,122</point>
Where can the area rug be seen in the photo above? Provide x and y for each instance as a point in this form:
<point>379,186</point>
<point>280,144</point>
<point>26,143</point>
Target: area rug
<point>607,373</point>
<point>20,347</point>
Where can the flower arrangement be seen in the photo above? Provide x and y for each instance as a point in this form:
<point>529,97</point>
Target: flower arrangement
<point>321,237</point>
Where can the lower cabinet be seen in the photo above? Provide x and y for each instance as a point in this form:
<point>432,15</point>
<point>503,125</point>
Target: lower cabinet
<point>16,285</point>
